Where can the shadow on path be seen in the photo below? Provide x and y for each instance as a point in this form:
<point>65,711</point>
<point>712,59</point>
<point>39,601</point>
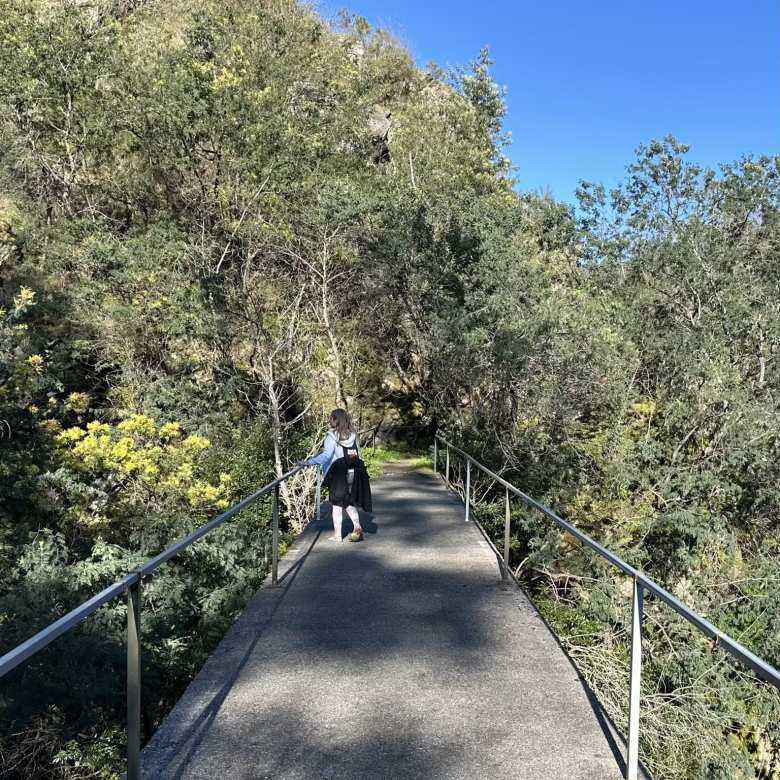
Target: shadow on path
<point>401,656</point>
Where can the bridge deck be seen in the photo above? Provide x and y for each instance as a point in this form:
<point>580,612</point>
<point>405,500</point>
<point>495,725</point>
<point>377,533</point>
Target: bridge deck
<point>399,657</point>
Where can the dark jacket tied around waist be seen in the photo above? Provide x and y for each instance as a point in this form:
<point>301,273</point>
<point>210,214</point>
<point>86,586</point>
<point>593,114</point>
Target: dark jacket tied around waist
<point>345,492</point>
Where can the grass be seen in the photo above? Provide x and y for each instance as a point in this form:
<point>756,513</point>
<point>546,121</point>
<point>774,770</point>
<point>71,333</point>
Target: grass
<point>378,457</point>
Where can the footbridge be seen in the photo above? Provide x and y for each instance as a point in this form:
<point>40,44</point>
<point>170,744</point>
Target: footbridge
<point>413,654</point>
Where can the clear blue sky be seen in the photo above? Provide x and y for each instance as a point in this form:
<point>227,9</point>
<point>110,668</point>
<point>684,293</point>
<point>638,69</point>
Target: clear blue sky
<point>588,80</point>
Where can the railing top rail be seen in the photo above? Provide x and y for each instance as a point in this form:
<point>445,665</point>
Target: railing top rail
<point>763,669</point>
<point>46,636</point>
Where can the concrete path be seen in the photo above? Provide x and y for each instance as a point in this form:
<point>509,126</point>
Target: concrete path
<point>399,657</point>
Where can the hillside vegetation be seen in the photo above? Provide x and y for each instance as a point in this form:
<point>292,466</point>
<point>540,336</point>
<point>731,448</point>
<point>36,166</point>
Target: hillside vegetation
<point>220,220</point>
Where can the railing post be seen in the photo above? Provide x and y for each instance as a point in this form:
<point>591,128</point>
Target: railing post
<point>507,521</point>
<point>468,486</point>
<point>447,472</point>
<point>435,454</point>
<point>637,610</point>
<point>275,538</point>
<point>318,494</point>
<point>134,681</point>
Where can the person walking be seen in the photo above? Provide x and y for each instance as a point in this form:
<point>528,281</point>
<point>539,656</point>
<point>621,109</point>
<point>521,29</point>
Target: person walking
<point>345,474</point>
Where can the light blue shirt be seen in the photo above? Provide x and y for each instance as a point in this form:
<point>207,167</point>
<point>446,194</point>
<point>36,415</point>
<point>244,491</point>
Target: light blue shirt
<point>331,451</point>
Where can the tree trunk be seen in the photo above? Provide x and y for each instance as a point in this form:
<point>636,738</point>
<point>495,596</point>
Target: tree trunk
<point>276,429</point>
<point>338,366</point>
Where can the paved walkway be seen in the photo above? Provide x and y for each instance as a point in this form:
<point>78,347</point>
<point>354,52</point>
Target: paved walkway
<point>399,657</point>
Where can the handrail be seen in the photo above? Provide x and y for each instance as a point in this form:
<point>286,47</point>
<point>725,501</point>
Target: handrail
<point>641,583</point>
<point>131,583</point>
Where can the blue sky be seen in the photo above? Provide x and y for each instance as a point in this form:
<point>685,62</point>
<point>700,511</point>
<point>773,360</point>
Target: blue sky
<point>588,80</point>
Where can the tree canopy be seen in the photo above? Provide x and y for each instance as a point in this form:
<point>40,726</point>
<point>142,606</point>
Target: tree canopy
<point>220,220</point>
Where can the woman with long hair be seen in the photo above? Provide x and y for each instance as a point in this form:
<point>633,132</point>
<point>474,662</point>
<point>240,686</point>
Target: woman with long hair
<point>344,473</point>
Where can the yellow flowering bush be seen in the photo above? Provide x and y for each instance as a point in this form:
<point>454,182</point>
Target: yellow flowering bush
<point>157,457</point>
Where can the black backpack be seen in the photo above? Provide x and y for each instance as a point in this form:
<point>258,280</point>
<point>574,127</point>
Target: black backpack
<point>350,453</point>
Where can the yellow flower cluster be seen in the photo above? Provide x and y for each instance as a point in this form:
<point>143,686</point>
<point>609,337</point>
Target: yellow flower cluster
<point>644,408</point>
<point>25,298</point>
<point>527,424</point>
<point>36,363</point>
<point>51,427</point>
<point>225,79</point>
<point>170,430</point>
<point>77,402</point>
<point>158,456</point>
<point>200,493</point>
<point>138,424</point>
<point>146,295</point>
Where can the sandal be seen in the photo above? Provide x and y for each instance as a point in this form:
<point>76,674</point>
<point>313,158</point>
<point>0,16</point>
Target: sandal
<point>356,535</point>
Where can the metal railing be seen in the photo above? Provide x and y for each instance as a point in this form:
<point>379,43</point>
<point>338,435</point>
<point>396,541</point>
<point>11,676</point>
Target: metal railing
<point>131,584</point>
<point>641,583</point>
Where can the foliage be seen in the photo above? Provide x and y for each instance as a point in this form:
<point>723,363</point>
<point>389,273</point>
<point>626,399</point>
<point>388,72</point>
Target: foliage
<point>220,220</point>
<point>193,200</point>
<point>625,373</point>
<point>376,458</point>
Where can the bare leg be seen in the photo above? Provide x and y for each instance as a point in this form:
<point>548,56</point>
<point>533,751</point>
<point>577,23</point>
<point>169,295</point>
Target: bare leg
<point>338,514</point>
<point>354,517</point>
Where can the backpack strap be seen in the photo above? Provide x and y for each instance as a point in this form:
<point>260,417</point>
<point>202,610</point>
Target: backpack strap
<point>344,446</point>
<point>335,439</point>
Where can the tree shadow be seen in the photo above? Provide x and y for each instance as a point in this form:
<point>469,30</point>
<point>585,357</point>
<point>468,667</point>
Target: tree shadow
<point>301,749</point>
<point>615,739</point>
<point>393,638</point>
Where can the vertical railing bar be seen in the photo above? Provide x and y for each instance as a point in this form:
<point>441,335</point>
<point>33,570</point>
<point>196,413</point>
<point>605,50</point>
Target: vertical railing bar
<point>134,681</point>
<point>637,610</point>
<point>507,522</point>
<point>435,455</point>
<point>468,487</point>
<point>318,495</point>
<point>275,538</point>
<point>447,471</point>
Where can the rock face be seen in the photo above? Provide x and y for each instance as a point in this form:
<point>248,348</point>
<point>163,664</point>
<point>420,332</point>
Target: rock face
<point>380,122</point>
<point>380,125</point>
